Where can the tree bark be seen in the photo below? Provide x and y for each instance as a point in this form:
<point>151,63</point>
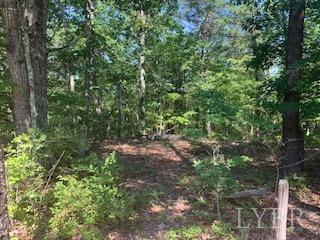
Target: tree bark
<point>121,118</point>
<point>292,135</point>
<point>17,66</point>
<point>4,217</point>
<point>88,68</point>
<point>90,76</point>
<point>25,26</point>
<point>142,73</point>
<point>35,19</point>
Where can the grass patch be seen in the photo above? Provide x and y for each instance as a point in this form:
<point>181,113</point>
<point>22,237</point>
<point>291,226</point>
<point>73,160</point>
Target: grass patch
<point>186,233</point>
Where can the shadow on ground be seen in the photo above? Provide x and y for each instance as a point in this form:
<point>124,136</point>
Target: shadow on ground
<point>154,170</point>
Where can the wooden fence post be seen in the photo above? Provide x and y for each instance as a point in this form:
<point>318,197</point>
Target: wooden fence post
<point>283,198</point>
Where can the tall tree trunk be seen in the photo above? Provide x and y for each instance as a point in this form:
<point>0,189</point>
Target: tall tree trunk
<point>90,76</point>
<point>25,26</point>
<point>4,217</point>
<point>257,72</point>
<point>121,119</point>
<point>88,69</point>
<point>292,135</point>
<point>142,73</point>
<point>17,66</point>
<point>35,19</point>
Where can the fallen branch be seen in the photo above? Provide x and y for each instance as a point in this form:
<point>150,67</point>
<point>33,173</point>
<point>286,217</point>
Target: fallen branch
<point>52,170</point>
<point>260,192</point>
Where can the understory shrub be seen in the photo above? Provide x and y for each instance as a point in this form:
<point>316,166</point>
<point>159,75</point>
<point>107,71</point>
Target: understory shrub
<point>188,233</point>
<point>214,173</point>
<point>80,198</point>
<point>26,176</point>
<point>85,204</point>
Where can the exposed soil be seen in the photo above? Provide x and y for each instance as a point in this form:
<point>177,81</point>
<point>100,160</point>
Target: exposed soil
<point>155,168</point>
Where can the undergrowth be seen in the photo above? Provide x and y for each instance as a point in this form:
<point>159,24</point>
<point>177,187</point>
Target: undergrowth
<point>79,197</point>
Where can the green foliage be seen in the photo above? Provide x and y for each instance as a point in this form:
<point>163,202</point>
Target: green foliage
<point>215,173</point>
<point>222,230</point>
<point>185,233</point>
<point>208,63</point>
<point>74,204</point>
<point>26,176</point>
<point>82,204</point>
<point>193,133</point>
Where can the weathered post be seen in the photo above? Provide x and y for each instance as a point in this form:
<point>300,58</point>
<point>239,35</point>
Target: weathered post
<point>283,198</point>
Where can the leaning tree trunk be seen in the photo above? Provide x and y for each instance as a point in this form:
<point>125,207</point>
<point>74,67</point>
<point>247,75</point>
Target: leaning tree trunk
<point>17,66</point>
<point>142,73</point>
<point>292,135</point>
<point>4,217</point>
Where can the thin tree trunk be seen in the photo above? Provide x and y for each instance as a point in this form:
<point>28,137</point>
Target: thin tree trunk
<point>88,72</point>
<point>72,83</point>
<point>121,118</point>
<point>257,73</point>
<point>208,127</point>
<point>97,97</point>
<point>4,217</point>
<point>142,73</point>
<point>292,138</point>
<point>90,76</point>
<point>17,66</point>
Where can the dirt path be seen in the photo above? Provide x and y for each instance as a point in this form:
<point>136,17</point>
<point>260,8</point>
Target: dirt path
<point>153,172</point>
<point>154,168</point>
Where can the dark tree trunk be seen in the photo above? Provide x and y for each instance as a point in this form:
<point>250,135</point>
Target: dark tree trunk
<point>17,66</point>
<point>4,217</point>
<point>292,138</point>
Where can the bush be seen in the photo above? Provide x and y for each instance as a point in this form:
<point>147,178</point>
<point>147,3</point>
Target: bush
<point>193,133</point>
<point>188,233</point>
<point>222,230</point>
<point>80,202</point>
<point>26,176</point>
<point>83,204</point>
<point>215,173</point>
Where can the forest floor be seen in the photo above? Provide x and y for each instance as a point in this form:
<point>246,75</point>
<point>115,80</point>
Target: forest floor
<point>160,175</point>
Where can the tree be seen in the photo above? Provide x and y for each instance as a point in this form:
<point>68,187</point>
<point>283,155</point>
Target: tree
<point>292,135</point>
<point>89,59</point>
<point>4,217</point>
<point>17,67</point>
<point>142,81</point>
<point>25,30</point>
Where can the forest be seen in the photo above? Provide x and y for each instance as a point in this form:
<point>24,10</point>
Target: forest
<point>150,119</point>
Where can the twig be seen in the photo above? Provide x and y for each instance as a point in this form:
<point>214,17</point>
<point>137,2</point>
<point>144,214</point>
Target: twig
<point>303,160</point>
<point>260,192</point>
<point>170,129</point>
<point>52,170</point>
